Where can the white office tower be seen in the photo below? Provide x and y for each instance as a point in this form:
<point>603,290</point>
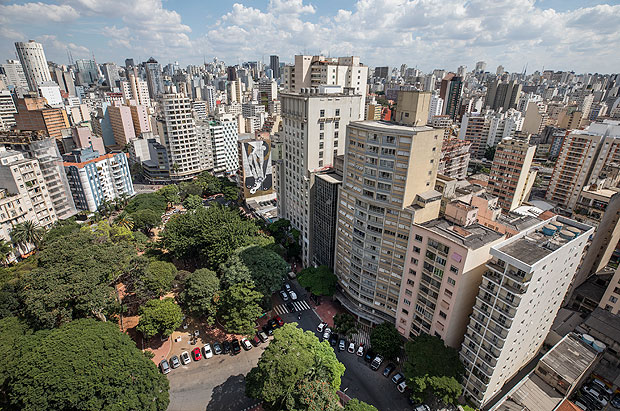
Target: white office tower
<point>179,136</point>
<point>15,75</point>
<point>7,110</point>
<point>224,136</point>
<point>33,60</point>
<point>136,89</point>
<point>314,127</point>
<point>205,145</point>
<point>520,295</point>
<point>51,92</point>
<point>436,107</point>
<point>209,93</point>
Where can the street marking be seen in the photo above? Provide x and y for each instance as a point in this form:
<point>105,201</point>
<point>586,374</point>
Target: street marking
<point>299,306</point>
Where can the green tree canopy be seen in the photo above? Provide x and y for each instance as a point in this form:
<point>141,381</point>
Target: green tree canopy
<point>170,193</point>
<point>240,308</point>
<point>146,220</point>
<point>314,395</point>
<point>357,405</point>
<point>191,188</point>
<point>320,281</point>
<point>83,365</point>
<point>209,235</point>
<point>294,356</point>
<point>158,277</point>
<point>192,202</point>
<point>286,236</point>
<point>159,317</point>
<point>150,201</point>
<point>265,268</point>
<point>433,368</point>
<point>386,340</point>
<point>73,279</point>
<point>202,293</point>
<point>26,232</point>
<point>345,324</point>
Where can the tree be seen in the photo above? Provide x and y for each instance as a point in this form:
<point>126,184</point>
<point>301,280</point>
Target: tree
<point>240,308</point>
<point>73,279</point>
<point>357,405</point>
<point>433,368</point>
<point>190,189</point>
<point>85,365</point>
<point>294,356</point>
<point>314,395</point>
<point>202,293</point>
<point>192,202</point>
<point>170,193</point>
<point>159,317</point>
<point>386,340</point>
<point>25,233</point>
<point>345,324</point>
<point>265,268</point>
<point>320,281</point>
<point>209,235</point>
<point>5,252</point>
<point>158,277</point>
<point>489,153</point>
<point>146,220</point>
<point>150,201</point>
<point>286,236</point>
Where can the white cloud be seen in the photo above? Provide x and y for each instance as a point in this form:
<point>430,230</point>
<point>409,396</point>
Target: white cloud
<point>37,12</point>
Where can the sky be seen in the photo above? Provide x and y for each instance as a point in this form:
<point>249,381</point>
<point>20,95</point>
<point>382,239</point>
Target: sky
<point>583,36</point>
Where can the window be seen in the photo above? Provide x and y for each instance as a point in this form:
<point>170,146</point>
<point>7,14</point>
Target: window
<point>454,270</point>
<point>321,136</point>
<point>322,126</point>
<point>335,143</point>
<point>451,281</point>
<point>337,112</point>
<point>336,124</point>
<point>321,145</point>
<point>320,154</point>
<point>418,237</point>
<point>613,299</point>
<point>416,249</point>
<point>335,134</point>
<point>322,113</point>
<point>442,314</point>
<point>410,282</point>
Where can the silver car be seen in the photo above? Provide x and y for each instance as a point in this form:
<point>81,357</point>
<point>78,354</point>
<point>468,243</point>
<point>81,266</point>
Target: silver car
<point>185,358</point>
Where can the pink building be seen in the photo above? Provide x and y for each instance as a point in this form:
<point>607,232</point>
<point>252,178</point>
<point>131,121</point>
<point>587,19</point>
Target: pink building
<point>443,270</point>
<point>122,124</point>
<point>83,138</point>
<point>140,117</point>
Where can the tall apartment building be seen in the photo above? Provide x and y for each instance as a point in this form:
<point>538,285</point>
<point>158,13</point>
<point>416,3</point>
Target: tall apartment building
<point>536,117</point>
<point>178,134</point>
<point>520,295</point>
<point>488,129</point>
<point>15,75</point>
<point>110,72</point>
<point>154,78</point>
<point>314,126</point>
<point>451,91</point>
<point>136,89</point>
<point>95,178</point>
<point>122,124</point>
<point>39,146</point>
<point>389,176</point>
<point>502,95</point>
<point>209,94</point>
<point>274,65</point>
<point>511,178</point>
<point>325,206</point>
<point>372,110</point>
<point>443,270</point>
<point>34,114</point>
<point>583,156</point>
<point>224,135</point>
<point>88,72</point>
<point>153,158</point>
<point>454,159</point>
<point>140,117</point>
<point>34,63</point>
<point>7,110</point>
<point>435,108</point>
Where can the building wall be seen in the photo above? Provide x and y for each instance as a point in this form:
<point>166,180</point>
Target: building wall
<point>324,210</point>
<point>34,63</point>
<point>511,178</point>
<point>122,125</point>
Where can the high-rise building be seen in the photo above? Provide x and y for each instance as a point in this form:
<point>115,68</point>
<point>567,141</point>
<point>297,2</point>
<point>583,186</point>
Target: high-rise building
<point>488,129</point>
<point>95,179</point>
<point>153,158</point>
<point>210,98</point>
<point>436,107</point>
<point>314,126</point>
<point>50,91</point>
<point>520,295</point>
<point>512,178</point>
<point>178,133</point>
<point>136,89</point>
<point>583,156</point>
<point>389,180</point>
<point>110,72</point>
<point>15,75</point>
<point>7,110</point>
<point>34,63</point>
<point>502,95</point>
<point>412,107</point>
<point>382,72</point>
<point>154,78</point>
<point>535,118</point>
<point>454,159</point>
<point>224,136</point>
<point>39,146</point>
<point>87,71</point>
<point>274,65</point>
<point>140,117</point>
<point>34,114</point>
<point>480,67</point>
<point>122,124</point>
<point>450,91</point>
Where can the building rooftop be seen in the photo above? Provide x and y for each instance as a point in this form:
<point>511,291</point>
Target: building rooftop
<point>331,178</point>
<point>604,322</point>
<point>608,128</point>
<point>569,358</point>
<point>472,237</point>
<point>391,126</point>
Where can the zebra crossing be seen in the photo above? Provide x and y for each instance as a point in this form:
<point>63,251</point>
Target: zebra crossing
<point>283,309</point>
<point>361,337</point>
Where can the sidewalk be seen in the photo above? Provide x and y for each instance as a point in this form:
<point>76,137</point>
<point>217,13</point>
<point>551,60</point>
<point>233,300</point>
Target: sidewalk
<point>327,309</point>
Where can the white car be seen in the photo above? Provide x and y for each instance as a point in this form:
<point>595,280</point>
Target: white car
<point>360,350</point>
<point>351,348</point>
<point>246,344</point>
<point>207,351</point>
<point>321,327</point>
<point>327,333</point>
<point>185,358</point>
<point>292,295</point>
<point>284,296</point>
<point>402,386</point>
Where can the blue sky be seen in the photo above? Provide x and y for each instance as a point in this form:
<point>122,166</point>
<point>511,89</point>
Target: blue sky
<point>554,34</point>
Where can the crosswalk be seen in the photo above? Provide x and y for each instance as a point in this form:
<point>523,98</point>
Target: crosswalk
<point>283,309</point>
<point>361,337</point>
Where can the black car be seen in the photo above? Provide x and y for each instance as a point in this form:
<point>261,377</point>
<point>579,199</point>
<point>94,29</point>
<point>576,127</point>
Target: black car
<point>225,347</point>
<point>290,307</point>
<point>236,347</point>
<point>369,356</point>
<point>217,348</point>
<point>388,369</point>
<point>333,339</point>
<point>273,324</point>
<point>267,329</point>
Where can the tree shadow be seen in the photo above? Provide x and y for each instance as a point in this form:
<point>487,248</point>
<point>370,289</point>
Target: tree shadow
<point>230,395</point>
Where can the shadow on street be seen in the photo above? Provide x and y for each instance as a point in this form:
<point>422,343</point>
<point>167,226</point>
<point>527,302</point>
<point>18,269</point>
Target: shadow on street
<point>230,395</point>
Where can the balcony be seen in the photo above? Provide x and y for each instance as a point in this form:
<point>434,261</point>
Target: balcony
<point>513,275</point>
<point>494,266</point>
<point>493,276</point>
<point>513,301</point>
<point>506,310</point>
<point>514,287</point>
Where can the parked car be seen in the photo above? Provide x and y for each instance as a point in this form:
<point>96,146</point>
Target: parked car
<point>164,366</point>
<point>397,378</point>
<point>207,351</point>
<point>327,333</point>
<point>604,388</point>
<point>333,339</point>
<point>196,354</point>
<point>174,362</point>
<point>287,287</point>
<point>581,405</point>
<point>403,386</point>
<point>351,348</point>
<point>615,401</point>
<point>422,407</point>
<point>255,341</point>
<point>185,359</point>
<point>217,348</point>
<point>360,350</point>
<point>292,275</point>
<point>279,320</point>
<point>284,296</point>
<point>267,329</point>
<point>342,345</point>
<point>226,347</point>
<point>236,348</point>
<point>388,369</point>
<point>596,394</point>
<point>263,336</point>
<point>369,356</point>
<point>590,402</point>
<point>376,363</point>
<point>321,327</point>
<point>292,295</point>
<point>245,343</point>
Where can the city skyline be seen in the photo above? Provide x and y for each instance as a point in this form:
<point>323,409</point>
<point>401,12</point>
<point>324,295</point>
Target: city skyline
<point>538,34</point>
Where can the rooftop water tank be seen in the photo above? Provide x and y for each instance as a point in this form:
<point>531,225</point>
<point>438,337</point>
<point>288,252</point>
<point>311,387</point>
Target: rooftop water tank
<point>549,230</point>
<point>598,346</point>
<point>587,338</point>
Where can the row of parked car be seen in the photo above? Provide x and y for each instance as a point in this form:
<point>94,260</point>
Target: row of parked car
<point>225,347</point>
<point>595,396</point>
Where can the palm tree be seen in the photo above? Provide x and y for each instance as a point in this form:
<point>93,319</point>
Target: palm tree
<point>26,233</point>
<point>125,221</point>
<point>5,252</point>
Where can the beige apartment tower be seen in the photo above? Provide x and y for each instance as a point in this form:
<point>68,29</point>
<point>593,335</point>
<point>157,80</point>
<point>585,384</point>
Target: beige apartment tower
<point>412,107</point>
<point>389,175</point>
